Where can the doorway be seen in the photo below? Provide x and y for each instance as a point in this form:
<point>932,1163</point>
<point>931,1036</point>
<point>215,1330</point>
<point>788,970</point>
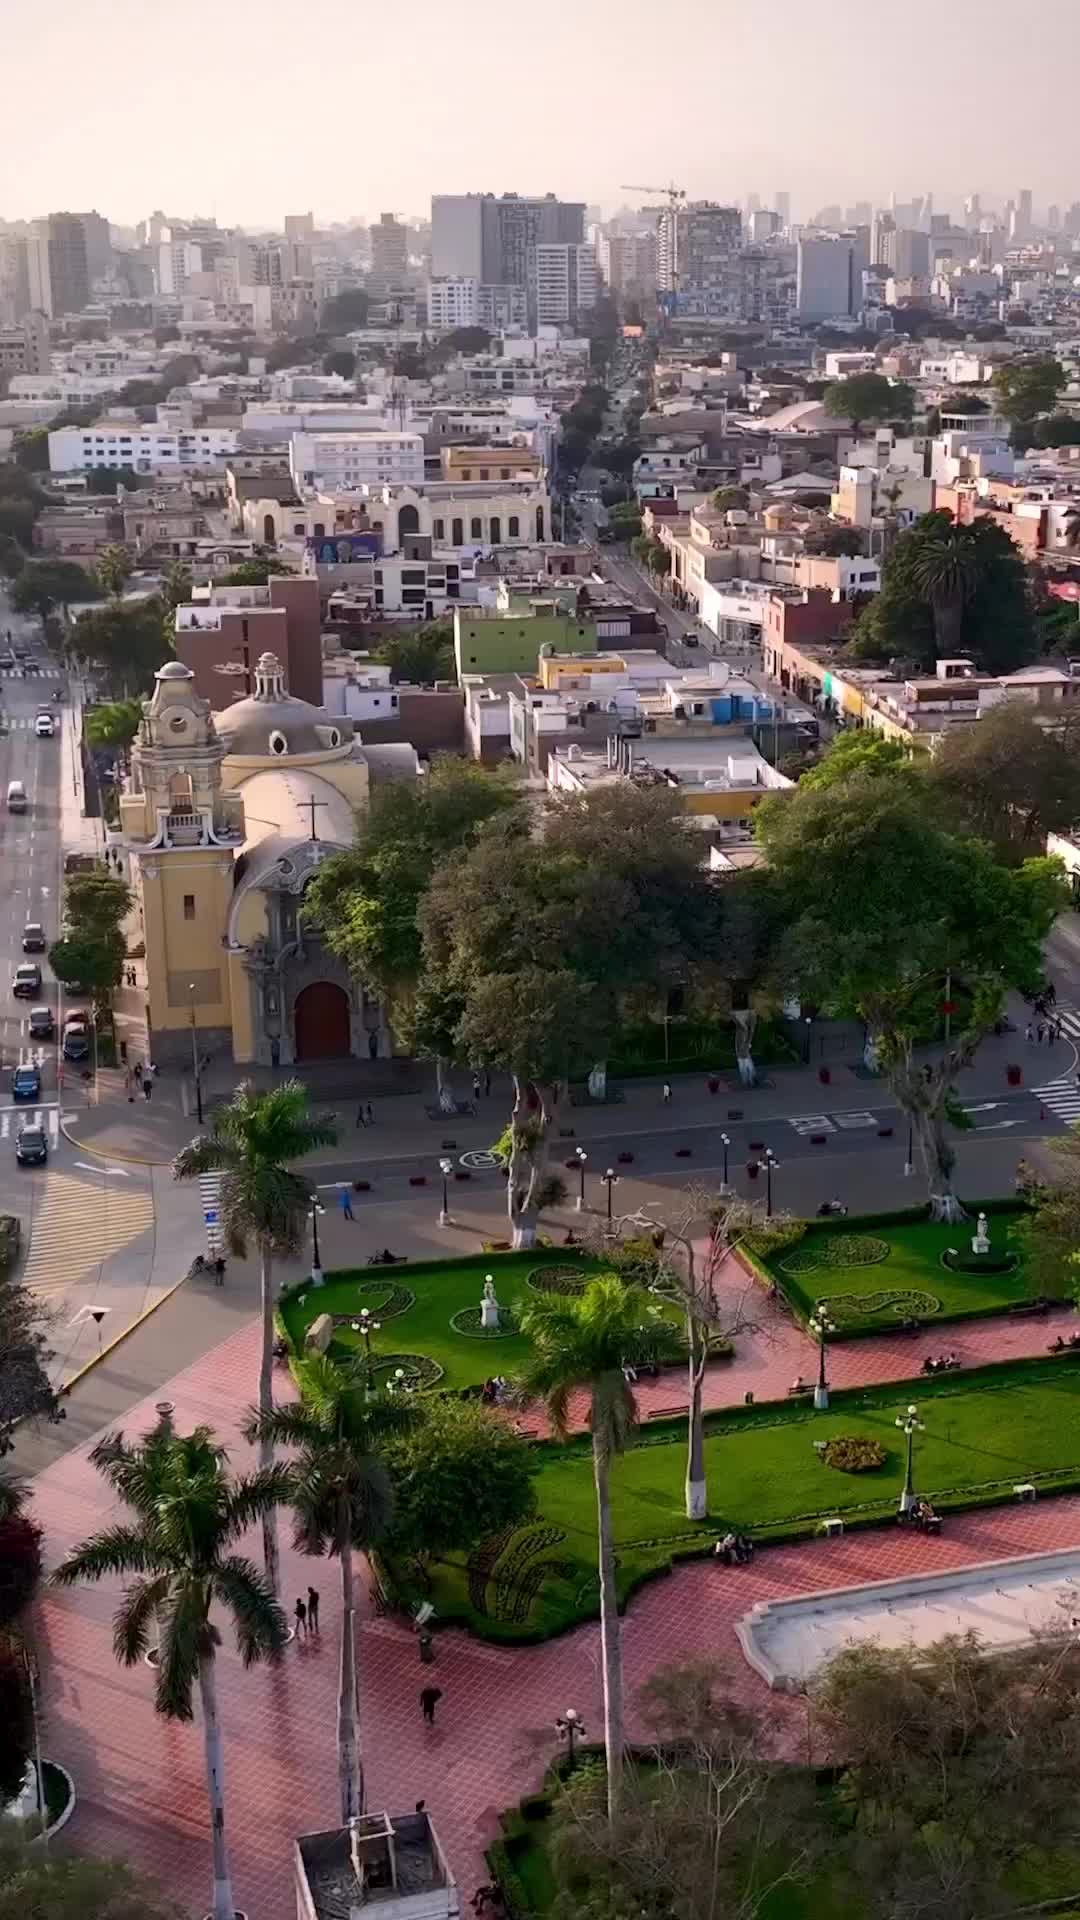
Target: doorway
<point>321,1019</point>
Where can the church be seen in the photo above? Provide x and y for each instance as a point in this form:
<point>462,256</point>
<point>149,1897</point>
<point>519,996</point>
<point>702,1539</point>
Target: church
<point>224,819</point>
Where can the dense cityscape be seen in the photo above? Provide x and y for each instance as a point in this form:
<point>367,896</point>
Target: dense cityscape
<point>539,1182</point>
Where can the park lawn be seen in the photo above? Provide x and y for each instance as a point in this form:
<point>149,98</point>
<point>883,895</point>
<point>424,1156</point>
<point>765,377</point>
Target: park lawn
<point>440,1288</point>
<point>1016,1423</point>
<point>909,1282</point>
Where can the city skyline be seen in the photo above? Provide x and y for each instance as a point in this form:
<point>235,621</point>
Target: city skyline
<point>760,108</point>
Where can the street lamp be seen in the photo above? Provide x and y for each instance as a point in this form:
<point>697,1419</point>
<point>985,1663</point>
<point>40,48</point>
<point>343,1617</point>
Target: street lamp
<point>821,1327</point>
<point>611,1181</point>
<point>446,1168</point>
<point>195,1052</point>
<point>570,1727</point>
<point>365,1326</point>
<point>909,1163</point>
<point>771,1161</point>
<point>809,1027</point>
<point>581,1156</point>
<point>316,1256</point>
<point>909,1424</point>
<point>725,1142</point>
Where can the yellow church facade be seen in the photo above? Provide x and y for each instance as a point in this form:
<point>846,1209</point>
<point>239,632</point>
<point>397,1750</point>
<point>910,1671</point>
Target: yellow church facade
<point>224,819</point>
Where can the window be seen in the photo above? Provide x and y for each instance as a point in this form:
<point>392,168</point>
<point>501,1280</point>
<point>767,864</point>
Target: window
<point>456,533</point>
<point>189,906</point>
<point>504,473</point>
<point>476,529</point>
<point>439,529</point>
<point>496,532</point>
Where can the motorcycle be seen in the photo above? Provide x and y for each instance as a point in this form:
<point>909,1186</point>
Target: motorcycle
<point>831,1208</point>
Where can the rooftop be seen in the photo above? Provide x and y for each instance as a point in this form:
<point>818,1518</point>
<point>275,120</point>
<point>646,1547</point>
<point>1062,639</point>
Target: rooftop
<point>377,1862</point>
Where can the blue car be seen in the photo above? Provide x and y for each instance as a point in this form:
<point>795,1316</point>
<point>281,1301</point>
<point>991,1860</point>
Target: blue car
<point>25,1083</point>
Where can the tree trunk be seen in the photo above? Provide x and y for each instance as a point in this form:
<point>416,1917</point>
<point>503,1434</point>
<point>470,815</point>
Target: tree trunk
<point>610,1634</point>
<point>446,1101</point>
<point>224,1906</point>
<point>697,1491</point>
<point>266,1404</point>
<point>938,1161</point>
<point>532,1114</point>
<point>745,1021</point>
<point>350,1769</point>
<point>872,1051</point>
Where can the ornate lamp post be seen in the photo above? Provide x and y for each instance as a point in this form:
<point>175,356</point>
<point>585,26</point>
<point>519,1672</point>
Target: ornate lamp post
<point>581,1156</point>
<point>771,1161</point>
<point>821,1327</point>
<point>446,1168</point>
<point>570,1727</point>
<point>316,1256</point>
<point>611,1181</point>
<point>725,1142</point>
<point>909,1424</point>
<point>365,1326</point>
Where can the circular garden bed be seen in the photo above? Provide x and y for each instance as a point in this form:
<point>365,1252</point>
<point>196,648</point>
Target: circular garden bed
<point>976,1263</point>
<point>383,1298</point>
<point>469,1322</point>
<point>836,1250</point>
<point>568,1280</point>
<point>900,1304</point>
<point>419,1371</point>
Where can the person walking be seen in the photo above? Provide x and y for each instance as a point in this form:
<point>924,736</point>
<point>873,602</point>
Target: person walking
<point>361,1116</point>
<point>429,1700</point>
<point>219,1271</point>
<point>1039,1034</point>
<point>1029,1033</point>
<point>487,1083</point>
<point>345,1198</point>
<point>667,1093</point>
<point>301,1618</point>
<point>313,1609</point>
<point>369,1115</point>
<point>147,1086</point>
<point>476,1088</point>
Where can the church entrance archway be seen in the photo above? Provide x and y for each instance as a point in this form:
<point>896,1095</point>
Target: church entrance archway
<point>408,521</point>
<point>321,1019</point>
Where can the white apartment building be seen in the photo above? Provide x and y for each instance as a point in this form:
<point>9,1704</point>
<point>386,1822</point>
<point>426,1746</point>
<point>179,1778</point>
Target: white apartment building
<point>128,442</point>
<point>453,302</point>
<point>341,462</point>
<point>567,283</point>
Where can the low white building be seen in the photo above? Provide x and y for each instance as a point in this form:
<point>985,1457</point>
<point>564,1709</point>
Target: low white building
<point>152,449</point>
<point>341,462</point>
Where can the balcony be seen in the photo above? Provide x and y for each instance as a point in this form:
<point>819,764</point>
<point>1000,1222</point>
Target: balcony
<point>185,829</point>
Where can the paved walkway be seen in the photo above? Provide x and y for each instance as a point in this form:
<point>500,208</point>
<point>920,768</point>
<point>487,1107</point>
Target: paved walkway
<point>140,1780</point>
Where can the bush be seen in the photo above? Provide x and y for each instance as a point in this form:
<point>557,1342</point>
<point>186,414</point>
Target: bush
<point>848,1453</point>
<point>20,1564</point>
<point>772,1236</point>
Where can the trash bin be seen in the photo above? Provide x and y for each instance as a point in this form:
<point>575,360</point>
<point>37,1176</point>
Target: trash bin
<point>1014,1075</point>
<point>824,1074</point>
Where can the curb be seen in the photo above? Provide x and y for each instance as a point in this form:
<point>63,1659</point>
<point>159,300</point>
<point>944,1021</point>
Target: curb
<point>100,1153</point>
<point>147,1313</point>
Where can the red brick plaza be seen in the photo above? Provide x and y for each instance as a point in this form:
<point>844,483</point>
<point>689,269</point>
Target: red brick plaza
<point>140,1780</point>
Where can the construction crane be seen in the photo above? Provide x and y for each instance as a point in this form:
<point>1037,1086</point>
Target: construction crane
<point>672,194</point>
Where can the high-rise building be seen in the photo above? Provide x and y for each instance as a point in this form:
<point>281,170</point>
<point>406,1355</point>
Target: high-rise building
<point>1023,214</point>
<point>628,264</point>
<point>567,283</point>
<point>99,251</point>
<point>973,210</point>
<point>823,279</point>
<point>1053,218</point>
<point>696,245</point>
<point>15,299</point>
<point>763,223</point>
<point>493,240</point>
<point>782,203</point>
<point>56,264</point>
<point>389,248</point>
<point>299,226</point>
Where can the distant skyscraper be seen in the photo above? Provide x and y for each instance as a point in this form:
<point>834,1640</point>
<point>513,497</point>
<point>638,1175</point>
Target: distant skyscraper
<point>1053,218</point>
<point>389,248</point>
<point>1023,214</point>
<point>493,239</point>
<point>782,203</point>
<point>696,245</point>
<point>823,285</point>
<point>753,202</point>
<point>972,211</point>
<point>67,263</point>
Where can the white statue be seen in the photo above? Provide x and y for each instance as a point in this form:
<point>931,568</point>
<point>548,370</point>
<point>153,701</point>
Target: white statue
<point>981,1239</point>
<point>489,1306</point>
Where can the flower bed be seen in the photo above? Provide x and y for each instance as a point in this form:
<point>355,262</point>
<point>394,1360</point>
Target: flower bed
<point>853,1453</point>
<point>567,1280</point>
<point>469,1321</point>
<point>838,1250</point>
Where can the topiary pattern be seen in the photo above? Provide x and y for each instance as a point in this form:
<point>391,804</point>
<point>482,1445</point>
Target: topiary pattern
<point>469,1321</point>
<point>909,1305</point>
<point>419,1371</point>
<point>568,1280</point>
<point>385,1298</point>
<point>514,1568</point>
<point>836,1250</point>
<point>852,1453</point>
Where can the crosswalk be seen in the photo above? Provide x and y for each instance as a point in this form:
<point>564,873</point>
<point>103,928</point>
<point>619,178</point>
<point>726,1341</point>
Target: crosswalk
<point>12,1118</point>
<point>79,1225</point>
<point>24,722</point>
<point>40,673</point>
<point>1062,1096</point>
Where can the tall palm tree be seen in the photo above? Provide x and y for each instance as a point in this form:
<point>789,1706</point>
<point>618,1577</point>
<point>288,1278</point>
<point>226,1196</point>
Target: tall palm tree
<point>342,1501</point>
<point>250,1143</point>
<point>114,567</point>
<point>946,570</point>
<point>586,1342</point>
<point>179,1551</point>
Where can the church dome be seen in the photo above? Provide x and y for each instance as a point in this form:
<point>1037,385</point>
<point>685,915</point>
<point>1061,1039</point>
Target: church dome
<point>174,670</point>
<point>271,725</point>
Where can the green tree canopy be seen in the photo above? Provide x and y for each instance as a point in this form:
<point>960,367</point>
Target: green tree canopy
<point>458,1476</point>
<point>730,499</point>
<point>419,655</point>
<point>868,396</point>
<point>92,947</point>
<point>1009,780</point>
<point>879,905</point>
<point>126,643</point>
<point>50,1886</point>
<point>113,569</point>
<point>962,590</point>
<point>340,360</point>
<point>861,751</point>
<point>113,724</point>
<point>1060,430</point>
<point>44,585</point>
<point>1027,388</point>
<point>256,572</point>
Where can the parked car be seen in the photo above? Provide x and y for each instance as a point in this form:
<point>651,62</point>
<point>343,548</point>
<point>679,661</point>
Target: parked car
<point>33,937</point>
<point>42,1024</point>
<point>27,981</point>
<point>76,1043</point>
<point>43,726</point>
<point>26,1083</point>
<point>31,1147</point>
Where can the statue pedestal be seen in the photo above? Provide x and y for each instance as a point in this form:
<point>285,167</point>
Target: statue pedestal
<point>489,1315</point>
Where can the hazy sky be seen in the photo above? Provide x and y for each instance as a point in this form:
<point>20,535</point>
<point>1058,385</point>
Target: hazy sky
<point>252,108</point>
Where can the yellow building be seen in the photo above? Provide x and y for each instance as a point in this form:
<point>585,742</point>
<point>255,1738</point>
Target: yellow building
<point>225,818</point>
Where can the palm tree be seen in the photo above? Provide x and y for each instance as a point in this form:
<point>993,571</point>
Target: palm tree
<point>114,567</point>
<point>342,1501</point>
<point>586,1342</point>
<point>179,1552</point>
<point>946,570</point>
<point>250,1143</point>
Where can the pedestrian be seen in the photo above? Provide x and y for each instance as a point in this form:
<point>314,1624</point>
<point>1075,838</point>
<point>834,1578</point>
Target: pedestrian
<point>667,1093</point>
<point>147,1087</point>
<point>429,1700</point>
<point>487,1082</point>
<point>301,1618</point>
<point>138,1073</point>
<point>1029,1033</point>
<point>476,1087</point>
<point>1039,1034</point>
<point>313,1609</point>
<point>373,1045</point>
<point>345,1198</point>
<point>219,1271</point>
<point>369,1115</point>
<point>361,1117</point>
<point>1051,995</point>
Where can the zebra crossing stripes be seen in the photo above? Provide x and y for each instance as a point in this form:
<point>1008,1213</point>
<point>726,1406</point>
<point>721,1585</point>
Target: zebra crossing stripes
<point>1062,1097</point>
<point>11,1119</point>
<point>79,1224</point>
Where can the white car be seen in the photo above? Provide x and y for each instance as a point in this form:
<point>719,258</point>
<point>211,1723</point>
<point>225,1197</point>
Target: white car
<point>43,726</point>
